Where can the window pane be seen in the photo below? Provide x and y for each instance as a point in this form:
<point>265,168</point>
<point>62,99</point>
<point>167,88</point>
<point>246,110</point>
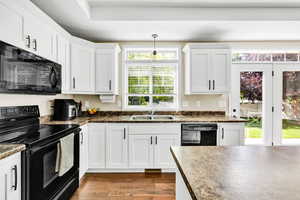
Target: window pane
<point>163,100</point>
<point>251,101</point>
<point>139,79</point>
<point>138,100</point>
<point>278,57</point>
<point>290,107</point>
<point>163,90</point>
<point>291,57</point>
<point>148,55</point>
<point>264,57</point>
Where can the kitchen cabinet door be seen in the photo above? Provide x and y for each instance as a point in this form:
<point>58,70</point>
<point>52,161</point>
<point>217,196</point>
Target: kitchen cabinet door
<point>11,23</point>
<point>10,174</point>
<point>199,71</point>
<point>82,65</point>
<point>63,58</point>
<point>39,38</point>
<point>83,158</point>
<point>220,70</point>
<point>96,147</point>
<point>116,146</point>
<point>106,71</point>
<point>162,153</point>
<point>231,134</point>
<point>141,151</point>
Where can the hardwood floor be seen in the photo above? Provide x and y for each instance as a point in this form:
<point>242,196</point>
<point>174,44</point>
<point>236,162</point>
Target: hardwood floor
<point>137,186</point>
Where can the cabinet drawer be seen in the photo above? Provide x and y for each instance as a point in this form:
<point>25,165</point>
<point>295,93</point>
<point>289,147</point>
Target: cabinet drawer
<point>158,129</point>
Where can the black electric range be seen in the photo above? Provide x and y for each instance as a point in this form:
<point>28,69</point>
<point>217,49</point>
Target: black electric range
<point>40,179</point>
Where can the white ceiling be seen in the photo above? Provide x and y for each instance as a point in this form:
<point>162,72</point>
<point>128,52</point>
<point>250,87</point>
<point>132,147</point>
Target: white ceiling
<point>177,20</point>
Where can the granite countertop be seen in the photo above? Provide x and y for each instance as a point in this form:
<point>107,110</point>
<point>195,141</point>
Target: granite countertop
<point>126,119</point>
<point>240,173</point>
<point>10,149</point>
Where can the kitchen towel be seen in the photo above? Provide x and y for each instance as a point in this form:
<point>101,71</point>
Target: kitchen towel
<point>65,154</point>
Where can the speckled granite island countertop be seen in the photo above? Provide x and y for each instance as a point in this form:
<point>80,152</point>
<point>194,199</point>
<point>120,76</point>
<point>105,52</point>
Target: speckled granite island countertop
<point>10,149</point>
<point>240,173</point>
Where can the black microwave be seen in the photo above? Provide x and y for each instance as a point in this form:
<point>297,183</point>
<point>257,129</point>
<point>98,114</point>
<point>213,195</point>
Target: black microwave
<point>22,72</point>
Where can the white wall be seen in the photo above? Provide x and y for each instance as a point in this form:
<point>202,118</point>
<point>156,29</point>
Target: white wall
<point>43,101</point>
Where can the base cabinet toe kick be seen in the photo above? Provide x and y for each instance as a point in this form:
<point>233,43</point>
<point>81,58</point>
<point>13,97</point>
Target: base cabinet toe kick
<point>136,147</point>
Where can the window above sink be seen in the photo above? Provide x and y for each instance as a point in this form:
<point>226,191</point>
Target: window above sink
<point>151,82</point>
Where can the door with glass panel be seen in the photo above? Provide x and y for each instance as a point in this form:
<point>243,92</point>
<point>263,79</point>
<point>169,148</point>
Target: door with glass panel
<point>286,104</point>
<point>252,101</point>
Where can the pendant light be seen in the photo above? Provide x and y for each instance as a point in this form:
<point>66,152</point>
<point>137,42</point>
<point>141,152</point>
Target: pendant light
<point>154,36</point>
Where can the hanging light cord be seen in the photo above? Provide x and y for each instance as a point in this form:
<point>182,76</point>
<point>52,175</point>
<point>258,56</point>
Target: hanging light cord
<point>154,44</point>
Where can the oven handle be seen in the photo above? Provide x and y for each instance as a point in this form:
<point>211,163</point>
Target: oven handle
<point>37,149</point>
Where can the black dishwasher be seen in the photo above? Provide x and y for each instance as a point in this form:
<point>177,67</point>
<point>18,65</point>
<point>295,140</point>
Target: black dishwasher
<point>199,134</point>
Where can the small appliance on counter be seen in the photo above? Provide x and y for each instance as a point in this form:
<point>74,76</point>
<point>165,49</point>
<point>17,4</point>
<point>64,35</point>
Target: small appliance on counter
<point>65,109</point>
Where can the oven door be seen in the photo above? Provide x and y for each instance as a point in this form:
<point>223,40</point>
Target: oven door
<point>44,181</point>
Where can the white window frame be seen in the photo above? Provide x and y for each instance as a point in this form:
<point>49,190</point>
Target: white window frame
<point>125,94</point>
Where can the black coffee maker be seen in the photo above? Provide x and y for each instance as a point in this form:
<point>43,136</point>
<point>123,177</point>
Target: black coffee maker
<point>65,109</point>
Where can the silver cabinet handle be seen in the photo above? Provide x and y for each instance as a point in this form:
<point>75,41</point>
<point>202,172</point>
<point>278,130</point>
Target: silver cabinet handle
<point>151,140</point>
<point>156,140</point>
<point>109,84</point>
<point>73,82</point>
<point>124,134</point>
<point>34,44</point>
<point>213,84</point>
<point>81,137</point>
<point>209,84</point>
<point>222,133</point>
<point>15,170</point>
<point>28,44</point>
<point>5,185</point>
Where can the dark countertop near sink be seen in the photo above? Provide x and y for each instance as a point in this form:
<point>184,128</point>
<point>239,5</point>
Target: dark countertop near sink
<point>124,117</point>
<point>240,173</point>
<point>10,149</point>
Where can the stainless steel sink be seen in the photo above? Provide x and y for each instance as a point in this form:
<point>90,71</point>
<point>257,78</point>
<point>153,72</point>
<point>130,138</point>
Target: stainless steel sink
<point>152,117</point>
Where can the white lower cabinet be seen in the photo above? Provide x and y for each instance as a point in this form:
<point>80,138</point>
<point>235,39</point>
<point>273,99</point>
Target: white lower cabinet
<point>10,177</point>
<point>84,148</point>
<point>116,146</point>
<point>121,147</point>
<point>140,151</point>
<point>162,154</point>
<point>231,134</point>
<point>97,143</point>
<point>149,145</point>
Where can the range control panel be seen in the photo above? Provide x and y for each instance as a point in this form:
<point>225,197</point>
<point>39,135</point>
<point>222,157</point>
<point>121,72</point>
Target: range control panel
<point>16,112</point>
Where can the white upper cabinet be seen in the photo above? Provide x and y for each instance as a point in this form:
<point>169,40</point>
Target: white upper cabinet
<point>63,58</point>
<point>11,23</point>
<point>82,64</point>
<point>39,38</point>
<point>117,146</point>
<point>107,64</point>
<point>207,70</point>
<point>220,66</point>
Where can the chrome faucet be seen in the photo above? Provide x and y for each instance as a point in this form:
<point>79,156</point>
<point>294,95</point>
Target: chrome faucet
<point>152,111</point>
